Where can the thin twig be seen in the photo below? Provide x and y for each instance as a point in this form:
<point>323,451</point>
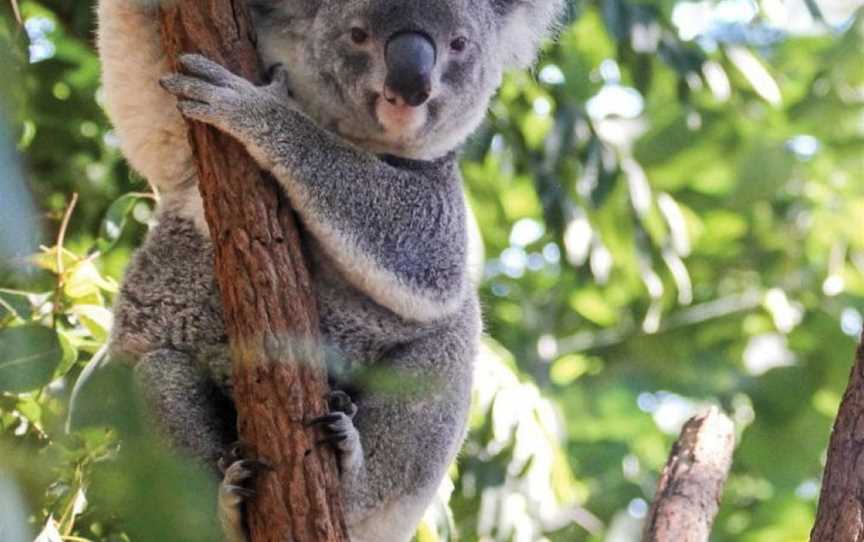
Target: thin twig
<point>16,11</point>
<point>61,239</point>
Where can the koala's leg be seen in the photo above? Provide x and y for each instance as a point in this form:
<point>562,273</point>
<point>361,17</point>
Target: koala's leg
<point>197,418</point>
<point>411,422</point>
<point>187,405</point>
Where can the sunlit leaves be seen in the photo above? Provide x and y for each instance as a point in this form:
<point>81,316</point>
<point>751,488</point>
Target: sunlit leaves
<point>97,319</point>
<point>736,180</point>
<point>591,304</point>
<point>515,453</point>
<point>756,73</point>
<point>567,369</point>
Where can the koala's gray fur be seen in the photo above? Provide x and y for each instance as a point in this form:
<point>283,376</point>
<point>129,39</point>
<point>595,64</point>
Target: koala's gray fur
<point>378,191</point>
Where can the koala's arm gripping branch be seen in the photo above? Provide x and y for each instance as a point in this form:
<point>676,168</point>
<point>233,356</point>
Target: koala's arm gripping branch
<point>398,234</point>
<point>269,307</point>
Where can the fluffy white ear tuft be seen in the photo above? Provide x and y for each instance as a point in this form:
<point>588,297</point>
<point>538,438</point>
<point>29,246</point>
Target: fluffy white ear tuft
<point>523,26</point>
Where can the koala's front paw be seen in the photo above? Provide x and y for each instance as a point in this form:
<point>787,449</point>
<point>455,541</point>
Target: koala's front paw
<point>339,430</point>
<point>212,94</point>
<point>234,490</point>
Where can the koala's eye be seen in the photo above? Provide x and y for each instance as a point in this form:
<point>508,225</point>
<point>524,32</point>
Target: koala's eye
<point>459,44</point>
<point>359,36</point>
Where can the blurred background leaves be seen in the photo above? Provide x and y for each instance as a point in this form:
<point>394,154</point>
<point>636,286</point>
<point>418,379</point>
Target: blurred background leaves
<point>672,211</point>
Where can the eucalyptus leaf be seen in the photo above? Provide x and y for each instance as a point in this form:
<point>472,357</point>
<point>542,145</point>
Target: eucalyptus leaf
<point>105,396</point>
<point>29,355</point>
<point>15,303</point>
<point>70,354</point>
<point>115,221</point>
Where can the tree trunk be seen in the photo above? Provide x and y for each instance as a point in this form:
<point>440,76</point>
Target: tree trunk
<point>841,503</point>
<point>688,494</point>
<point>269,307</point>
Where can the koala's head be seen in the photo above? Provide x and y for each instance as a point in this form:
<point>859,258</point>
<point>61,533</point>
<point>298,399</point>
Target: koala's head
<point>411,78</point>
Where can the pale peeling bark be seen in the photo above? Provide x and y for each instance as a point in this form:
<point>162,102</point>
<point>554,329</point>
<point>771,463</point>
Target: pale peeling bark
<point>269,307</point>
<point>841,503</point>
<point>689,490</point>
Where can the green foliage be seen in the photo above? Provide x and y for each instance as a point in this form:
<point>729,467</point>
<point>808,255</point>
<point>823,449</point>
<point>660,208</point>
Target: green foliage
<point>30,355</point>
<point>671,213</point>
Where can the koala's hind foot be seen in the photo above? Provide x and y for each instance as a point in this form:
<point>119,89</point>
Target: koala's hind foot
<point>339,430</point>
<point>238,477</point>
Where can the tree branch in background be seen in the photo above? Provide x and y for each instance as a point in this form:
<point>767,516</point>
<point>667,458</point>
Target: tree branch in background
<point>840,517</point>
<point>269,306</point>
<point>16,11</point>
<point>688,494</point>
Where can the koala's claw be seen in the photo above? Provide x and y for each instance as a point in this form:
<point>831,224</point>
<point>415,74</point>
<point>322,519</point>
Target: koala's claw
<point>213,72</point>
<point>233,454</point>
<point>237,477</point>
<point>339,401</point>
<point>339,430</point>
<point>337,427</point>
<point>208,92</point>
<point>335,438</point>
<point>329,419</point>
<point>234,490</point>
<point>238,472</point>
<point>204,81</point>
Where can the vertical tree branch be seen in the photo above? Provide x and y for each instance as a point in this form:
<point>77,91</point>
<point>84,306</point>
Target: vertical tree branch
<point>269,305</point>
<point>840,517</point>
<point>689,490</point>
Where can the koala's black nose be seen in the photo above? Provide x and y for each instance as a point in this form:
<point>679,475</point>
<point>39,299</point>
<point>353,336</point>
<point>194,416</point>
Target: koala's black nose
<point>410,58</point>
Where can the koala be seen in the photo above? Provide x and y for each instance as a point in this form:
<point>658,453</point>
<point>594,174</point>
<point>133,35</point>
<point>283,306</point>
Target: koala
<point>361,124</point>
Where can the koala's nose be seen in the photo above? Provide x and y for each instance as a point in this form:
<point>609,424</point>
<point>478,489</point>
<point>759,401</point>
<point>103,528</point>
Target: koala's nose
<point>410,58</point>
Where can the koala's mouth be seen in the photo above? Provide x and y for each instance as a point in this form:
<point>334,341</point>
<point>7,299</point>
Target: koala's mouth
<point>398,120</point>
<point>387,128</point>
<point>397,127</point>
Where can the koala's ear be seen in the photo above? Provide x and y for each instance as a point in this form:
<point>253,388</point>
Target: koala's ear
<point>523,24</point>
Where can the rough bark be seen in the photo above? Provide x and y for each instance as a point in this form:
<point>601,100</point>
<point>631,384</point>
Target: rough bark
<point>840,517</point>
<point>689,490</point>
<point>269,305</point>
